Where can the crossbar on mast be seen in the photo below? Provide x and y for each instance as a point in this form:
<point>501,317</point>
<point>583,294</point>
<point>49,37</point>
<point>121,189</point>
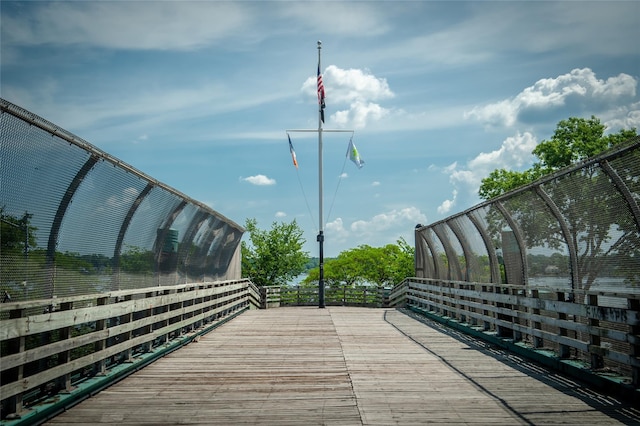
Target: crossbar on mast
<point>323,130</point>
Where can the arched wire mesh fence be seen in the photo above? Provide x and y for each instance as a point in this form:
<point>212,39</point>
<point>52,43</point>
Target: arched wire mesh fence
<point>563,254</point>
<point>102,268</point>
<point>76,220</point>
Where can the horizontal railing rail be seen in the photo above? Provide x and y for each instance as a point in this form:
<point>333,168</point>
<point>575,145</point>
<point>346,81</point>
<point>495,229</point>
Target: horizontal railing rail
<point>334,296</point>
<point>52,345</point>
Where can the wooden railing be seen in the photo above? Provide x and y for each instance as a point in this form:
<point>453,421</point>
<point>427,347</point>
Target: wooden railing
<point>255,296</point>
<point>565,325</point>
<point>270,297</point>
<point>60,344</point>
<point>336,296</point>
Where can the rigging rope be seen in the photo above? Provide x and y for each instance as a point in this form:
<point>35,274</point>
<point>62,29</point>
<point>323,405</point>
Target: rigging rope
<point>344,163</point>
<point>306,200</point>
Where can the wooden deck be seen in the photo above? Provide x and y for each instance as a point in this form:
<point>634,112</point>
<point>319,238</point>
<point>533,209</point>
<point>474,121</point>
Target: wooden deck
<point>343,366</point>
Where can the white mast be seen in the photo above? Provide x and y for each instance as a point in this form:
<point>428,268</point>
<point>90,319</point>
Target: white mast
<point>320,237</point>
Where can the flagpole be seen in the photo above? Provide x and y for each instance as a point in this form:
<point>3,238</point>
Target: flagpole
<point>320,130</point>
<point>320,237</point>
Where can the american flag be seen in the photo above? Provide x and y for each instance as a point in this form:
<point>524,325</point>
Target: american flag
<point>321,94</point>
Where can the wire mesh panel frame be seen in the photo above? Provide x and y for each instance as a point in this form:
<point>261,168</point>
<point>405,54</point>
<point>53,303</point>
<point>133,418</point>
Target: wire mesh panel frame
<point>595,321</point>
<point>87,240</point>
<point>89,265</point>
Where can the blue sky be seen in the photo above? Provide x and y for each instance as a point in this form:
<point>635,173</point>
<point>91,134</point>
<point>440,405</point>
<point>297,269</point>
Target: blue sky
<point>199,95</point>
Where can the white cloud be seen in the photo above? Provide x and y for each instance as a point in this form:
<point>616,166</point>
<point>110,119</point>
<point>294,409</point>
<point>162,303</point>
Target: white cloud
<point>576,89</point>
<point>447,205</point>
<point>345,18</point>
<point>336,230</point>
<point>514,154</point>
<point>260,180</point>
<point>281,215</point>
<point>375,183</point>
<point>358,114</point>
<point>624,117</point>
<point>358,90</point>
<point>141,138</point>
<point>149,107</point>
<point>381,229</point>
<point>353,85</point>
<point>159,26</point>
<point>126,198</point>
<point>383,221</point>
<point>500,113</point>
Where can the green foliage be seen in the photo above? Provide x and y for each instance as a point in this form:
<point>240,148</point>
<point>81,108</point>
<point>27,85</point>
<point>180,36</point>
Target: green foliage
<point>313,263</point>
<point>577,139</point>
<point>500,181</point>
<point>137,260</point>
<point>14,231</point>
<point>601,232</point>
<point>72,262</point>
<point>574,139</point>
<point>380,266</point>
<point>360,295</point>
<point>273,257</point>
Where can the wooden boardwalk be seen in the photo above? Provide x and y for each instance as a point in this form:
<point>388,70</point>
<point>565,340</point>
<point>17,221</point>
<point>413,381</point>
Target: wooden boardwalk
<point>343,366</point>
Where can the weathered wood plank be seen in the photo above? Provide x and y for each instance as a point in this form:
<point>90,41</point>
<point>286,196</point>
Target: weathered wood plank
<point>343,366</point>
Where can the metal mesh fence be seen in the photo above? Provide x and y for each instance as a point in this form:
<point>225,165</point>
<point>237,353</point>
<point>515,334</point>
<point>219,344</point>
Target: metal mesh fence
<point>575,230</point>
<point>76,220</point>
<point>572,237</point>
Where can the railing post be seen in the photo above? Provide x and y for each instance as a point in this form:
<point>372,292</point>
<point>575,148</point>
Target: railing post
<point>485,312</point>
<point>594,340</point>
<point>148,347</point>
<point>263,297</point>
<point>634,330</point>
<point>65,356</point>
<point>517,334</point>
<point>100,345</point>
<point>537,341</point>
<point>182,318</point>
<point>459,306</point>
<point>128,355</point>
<point>564,351</point>
<point>16,345</point>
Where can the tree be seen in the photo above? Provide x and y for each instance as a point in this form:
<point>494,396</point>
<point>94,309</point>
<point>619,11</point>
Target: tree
<point>380,266</point>
<point>137,260</point>
<point>405,261</point>
<point>501,181</point>
<point>574,139</point>
<point>598,228</point>
<point>16,234</point>
<point>273,257</point>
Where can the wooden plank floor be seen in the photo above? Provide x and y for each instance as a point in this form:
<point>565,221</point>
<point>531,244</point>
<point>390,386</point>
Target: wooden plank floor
<point>343,366</point>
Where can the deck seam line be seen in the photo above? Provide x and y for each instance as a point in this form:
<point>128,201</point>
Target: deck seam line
<point>496,398</point>
<point>346,367</point>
